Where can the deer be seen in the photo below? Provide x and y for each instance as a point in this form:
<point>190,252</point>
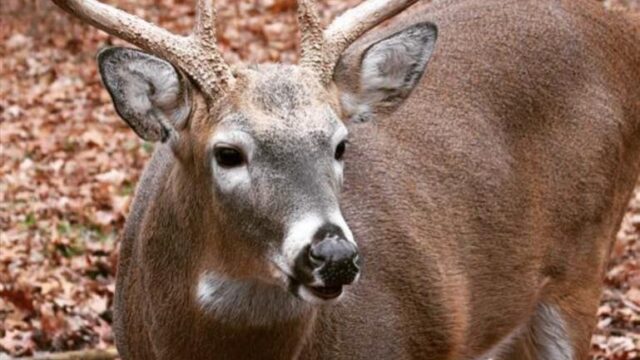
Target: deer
<point>432,180</point>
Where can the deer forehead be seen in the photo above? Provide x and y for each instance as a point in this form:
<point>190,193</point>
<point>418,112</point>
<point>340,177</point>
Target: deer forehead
<point>280,101</point>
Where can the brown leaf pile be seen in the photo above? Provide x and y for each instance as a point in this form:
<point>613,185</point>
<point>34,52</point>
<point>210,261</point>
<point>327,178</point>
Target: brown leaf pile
<point>618,332</point>
<point>68,167</point>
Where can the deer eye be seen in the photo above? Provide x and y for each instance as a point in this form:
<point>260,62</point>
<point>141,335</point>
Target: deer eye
<point>228,156</point>
<point>340,150</point>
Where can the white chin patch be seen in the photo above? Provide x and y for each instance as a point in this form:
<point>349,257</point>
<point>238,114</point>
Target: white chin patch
<point>246,301</point>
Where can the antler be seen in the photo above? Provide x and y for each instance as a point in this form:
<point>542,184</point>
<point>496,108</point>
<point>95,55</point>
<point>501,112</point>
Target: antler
<point>197,55</point>
<point>321,50</point>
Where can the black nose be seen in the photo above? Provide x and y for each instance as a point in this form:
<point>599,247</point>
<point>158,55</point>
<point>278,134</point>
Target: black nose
<point>334,256</point>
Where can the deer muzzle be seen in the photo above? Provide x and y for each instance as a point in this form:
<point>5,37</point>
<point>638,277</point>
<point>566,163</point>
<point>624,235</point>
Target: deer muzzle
<point>330,262</point>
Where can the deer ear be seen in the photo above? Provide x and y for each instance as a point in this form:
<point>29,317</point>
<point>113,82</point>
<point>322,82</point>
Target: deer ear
<point>390,69</point>
<point>149,94</point>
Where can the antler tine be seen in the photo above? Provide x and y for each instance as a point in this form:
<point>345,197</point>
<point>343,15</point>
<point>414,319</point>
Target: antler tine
<point>312,42</point>
<point>205,22</point>
<point>197,55</point>
<point>321,55</point>
<point>220,76</point>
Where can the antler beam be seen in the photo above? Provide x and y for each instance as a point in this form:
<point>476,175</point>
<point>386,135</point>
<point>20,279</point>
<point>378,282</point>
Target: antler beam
<point>321,50</point>
<point>197,55</point>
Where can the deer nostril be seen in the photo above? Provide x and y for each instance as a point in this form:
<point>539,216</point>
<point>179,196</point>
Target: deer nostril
<point>316,259</point>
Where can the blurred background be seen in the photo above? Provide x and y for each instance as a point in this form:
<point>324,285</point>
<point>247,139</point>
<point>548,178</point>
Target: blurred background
<point>69,166</point>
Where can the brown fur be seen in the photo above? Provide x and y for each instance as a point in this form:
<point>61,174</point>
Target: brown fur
<point>497,186</point>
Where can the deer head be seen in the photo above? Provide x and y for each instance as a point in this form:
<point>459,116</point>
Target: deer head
<point>269,139</point>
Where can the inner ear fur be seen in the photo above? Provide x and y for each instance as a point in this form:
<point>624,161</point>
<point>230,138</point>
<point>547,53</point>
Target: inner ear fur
<point>148,93</point>
<point>388,70</point>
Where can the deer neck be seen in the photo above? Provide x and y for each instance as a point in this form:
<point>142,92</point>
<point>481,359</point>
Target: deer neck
<point>249,302</point>
<point>229,314</point>
<point>244,318</point>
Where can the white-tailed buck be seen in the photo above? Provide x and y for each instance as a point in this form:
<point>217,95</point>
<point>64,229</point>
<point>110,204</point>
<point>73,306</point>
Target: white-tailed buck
<point>492,148</point>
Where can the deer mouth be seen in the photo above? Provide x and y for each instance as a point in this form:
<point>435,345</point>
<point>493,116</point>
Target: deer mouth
<point>313,293</point>
<point>325,292</point>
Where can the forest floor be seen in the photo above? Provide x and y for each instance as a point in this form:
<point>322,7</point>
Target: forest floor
<point>69,166</point>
